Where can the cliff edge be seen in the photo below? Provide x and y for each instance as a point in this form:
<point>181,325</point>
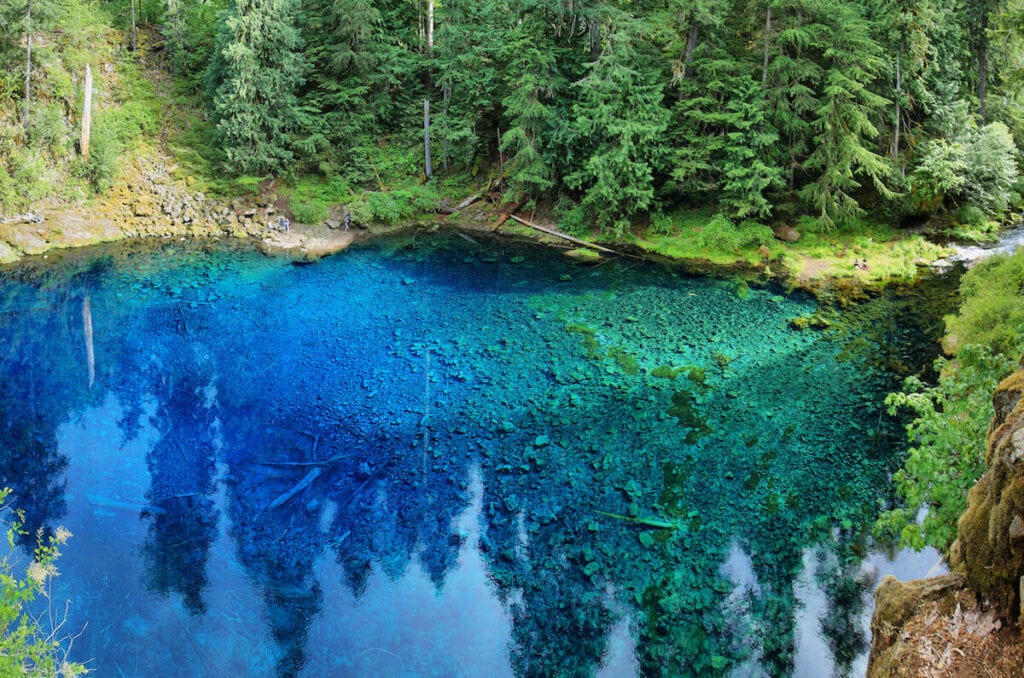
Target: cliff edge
<point>967,623</point>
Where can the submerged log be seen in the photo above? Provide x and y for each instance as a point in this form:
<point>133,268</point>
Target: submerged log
<point>304,464</point>
<point>298,487</point>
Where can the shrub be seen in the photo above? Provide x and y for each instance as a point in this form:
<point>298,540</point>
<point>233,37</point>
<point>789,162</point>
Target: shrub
<point>992,313</point>
<point>104,153</point>
<point>720,234</point>
<point>662,224</point>
<point>952,417</point>
<point>970,215</point>
<point>26,647</point>
<point>755,234</point>
<point>573,221</point>
<point>979,167</point>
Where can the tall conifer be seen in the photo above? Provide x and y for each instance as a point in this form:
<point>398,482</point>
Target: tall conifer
<point>257,71</point>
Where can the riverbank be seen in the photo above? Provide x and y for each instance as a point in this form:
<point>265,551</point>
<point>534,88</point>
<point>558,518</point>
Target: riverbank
<point>149,201</point>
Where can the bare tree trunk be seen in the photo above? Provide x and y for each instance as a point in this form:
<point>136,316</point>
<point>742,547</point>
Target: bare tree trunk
<point>90,356</point>
<point>426,135</point>
<point>501,158</point>
<point>135,40</point>
<point>86,114</point>
<point>767,43</point>
<point>691,45</point>
<point>430,27</point>
<point>894,143</point>
<point>28,66</point>
<point>982,73</point>
<point>594,25</point>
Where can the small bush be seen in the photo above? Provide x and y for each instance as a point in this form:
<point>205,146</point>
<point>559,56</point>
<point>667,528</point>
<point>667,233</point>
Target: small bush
<point>573,221</point>
<point>993,310</point>
<point>104,154</point>
<point>720,234</point>
<point>26,647</point>
<point>310,212</point>
<point>755,234</point>
<point>971,216</point>
<point>662,224</point>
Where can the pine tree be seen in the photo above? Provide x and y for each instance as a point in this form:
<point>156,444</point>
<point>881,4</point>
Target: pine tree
<point>723,142</point>
<point>532,79</point>
<point>618,127</point>
<point>845,134</point>
<point>256,74</point>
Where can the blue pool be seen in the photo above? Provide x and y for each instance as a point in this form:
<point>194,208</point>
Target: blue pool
<point>431,456</point>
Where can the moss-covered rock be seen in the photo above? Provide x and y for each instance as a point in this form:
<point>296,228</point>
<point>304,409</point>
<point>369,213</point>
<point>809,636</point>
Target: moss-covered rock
<point>990,544</point>
<point>895,603</point>
<point>987,557</point>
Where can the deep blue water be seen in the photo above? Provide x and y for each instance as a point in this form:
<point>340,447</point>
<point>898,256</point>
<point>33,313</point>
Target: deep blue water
<point>517,465</point>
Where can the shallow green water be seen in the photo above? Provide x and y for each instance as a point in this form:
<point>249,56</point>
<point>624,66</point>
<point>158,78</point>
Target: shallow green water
<point>519,465</point>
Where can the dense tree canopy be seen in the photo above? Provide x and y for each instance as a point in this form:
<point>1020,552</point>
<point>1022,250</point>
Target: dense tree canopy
<point>608,108</point>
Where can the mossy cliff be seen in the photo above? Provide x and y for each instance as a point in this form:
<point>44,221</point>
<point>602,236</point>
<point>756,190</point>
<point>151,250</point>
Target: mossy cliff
<point>971,618</point>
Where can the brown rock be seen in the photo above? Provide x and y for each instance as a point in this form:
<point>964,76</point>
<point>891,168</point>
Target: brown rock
<point>786,233</point>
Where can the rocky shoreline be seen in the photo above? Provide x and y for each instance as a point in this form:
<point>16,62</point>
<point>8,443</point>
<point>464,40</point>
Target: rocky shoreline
<point>148,202</point>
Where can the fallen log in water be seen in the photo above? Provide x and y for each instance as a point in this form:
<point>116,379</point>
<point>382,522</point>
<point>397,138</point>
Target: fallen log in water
<point>303,464</point>
<point>298,487</point>
<point>565,236</point>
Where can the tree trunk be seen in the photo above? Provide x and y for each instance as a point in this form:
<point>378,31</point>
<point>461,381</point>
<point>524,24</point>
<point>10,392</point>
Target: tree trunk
<point>691,45</point>
<point>86,114</point>
<point>982,66</point>
<point>894,143</point>
<point>135,40</point>
<point>767,43</point>
<point>426,135</point>
<point>594,24</point>
<point>28,66</point>
<point>430,27</point>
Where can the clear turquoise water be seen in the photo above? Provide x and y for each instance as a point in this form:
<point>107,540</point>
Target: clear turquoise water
<point>526,466</point>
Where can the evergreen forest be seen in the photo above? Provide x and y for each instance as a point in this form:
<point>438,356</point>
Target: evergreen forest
<point>613,113</point>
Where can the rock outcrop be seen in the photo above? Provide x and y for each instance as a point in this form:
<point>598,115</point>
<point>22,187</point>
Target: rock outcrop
<point>149,202</point>
<point>967,623</point>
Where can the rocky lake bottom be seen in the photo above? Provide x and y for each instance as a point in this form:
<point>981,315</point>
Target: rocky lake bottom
<point>444,456</point>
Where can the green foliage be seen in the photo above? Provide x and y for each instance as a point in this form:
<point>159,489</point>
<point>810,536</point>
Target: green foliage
<point>104,156</point>
<point>978,168</point>
<point>618,133</point>
<point>948,453</point>
<point>115,131</point>
<point>992,314</point>
<point>573,221</point>
<point>255,73</point>
<point>952,417</point>
<point>26,648</point>
<point>394,206</point>
<point>534,79</point>
<point>844,128</point>
<point>312,198</point>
